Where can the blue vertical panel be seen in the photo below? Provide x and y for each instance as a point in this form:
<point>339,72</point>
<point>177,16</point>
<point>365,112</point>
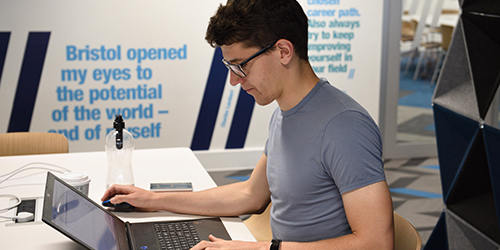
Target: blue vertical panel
<point>454,135</point>
<point>29,80</point>
<point>4,43</point>
<point>241,121</point>
<point>210,104</point>
<point>439,236</point>
<point>492,144</point>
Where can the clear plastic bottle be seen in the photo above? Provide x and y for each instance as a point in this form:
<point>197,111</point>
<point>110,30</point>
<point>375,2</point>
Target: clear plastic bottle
<point>119,148</point>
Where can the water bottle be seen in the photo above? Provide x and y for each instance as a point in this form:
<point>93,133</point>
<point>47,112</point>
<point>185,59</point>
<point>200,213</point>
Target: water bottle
<point>119,148</point>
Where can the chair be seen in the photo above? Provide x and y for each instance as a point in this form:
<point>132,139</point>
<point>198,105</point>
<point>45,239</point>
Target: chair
<point>405,235</point>
<point>259,225</point>
<point>408,25</point>
<point>419,23</point>
<point>439,11</point>
<point>429,43</point>
<point>446,31</point>
<point>27,143</point>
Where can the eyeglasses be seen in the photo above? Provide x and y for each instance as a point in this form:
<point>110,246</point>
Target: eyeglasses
<point>237,68</point>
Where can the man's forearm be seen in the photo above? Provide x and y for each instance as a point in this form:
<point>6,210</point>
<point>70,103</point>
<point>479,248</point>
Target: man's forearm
<point>228,200</point>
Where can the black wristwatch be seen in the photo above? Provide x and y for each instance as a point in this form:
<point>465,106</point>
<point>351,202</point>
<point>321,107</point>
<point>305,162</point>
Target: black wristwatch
<point>275,244</point>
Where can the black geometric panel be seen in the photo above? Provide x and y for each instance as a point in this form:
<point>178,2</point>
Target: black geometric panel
<point>483,44</point>
<point>492,143</point>
<point>463,236</point>
<point>439,237</point>
<point>454,135</point>
<point>469,150</point>
<point>471,196</point>
<point>455,89</point>
<point>491,7</point>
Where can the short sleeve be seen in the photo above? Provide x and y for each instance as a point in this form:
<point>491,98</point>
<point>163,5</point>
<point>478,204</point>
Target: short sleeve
<point>352,151</point>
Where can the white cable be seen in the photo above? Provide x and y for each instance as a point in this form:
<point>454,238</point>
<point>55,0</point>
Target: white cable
<point>20,217</point>
<point>24,216</point>
<point>12,175</point>
<point>25,167</point>
<point>3,210</point>
<point>33,163</point>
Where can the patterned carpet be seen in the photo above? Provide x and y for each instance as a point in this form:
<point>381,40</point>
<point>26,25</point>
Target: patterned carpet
<point>415,119</point>
<point>415,188</point>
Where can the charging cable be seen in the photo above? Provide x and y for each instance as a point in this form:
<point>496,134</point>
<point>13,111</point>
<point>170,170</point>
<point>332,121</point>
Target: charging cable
<point>24,216</point>
<point>25,167</point>
<point>21,216</point>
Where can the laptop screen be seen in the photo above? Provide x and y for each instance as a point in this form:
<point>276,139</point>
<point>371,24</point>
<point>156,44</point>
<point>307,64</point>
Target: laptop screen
<point>80,218</point>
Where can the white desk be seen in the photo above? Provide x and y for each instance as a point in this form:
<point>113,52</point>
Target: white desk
<point>151,165</point>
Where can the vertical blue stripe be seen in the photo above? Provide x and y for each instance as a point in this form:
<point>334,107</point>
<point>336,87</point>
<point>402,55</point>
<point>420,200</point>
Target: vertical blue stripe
<point>351,74</point>
<point>29,80</point>
<point>241,121</point>
<point>4,43</point>
<point>210,104</point>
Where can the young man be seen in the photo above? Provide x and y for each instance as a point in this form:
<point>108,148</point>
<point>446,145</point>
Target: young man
<point>322,166</point>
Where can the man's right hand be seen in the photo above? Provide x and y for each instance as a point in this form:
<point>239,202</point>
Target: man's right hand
<point>135,196</point>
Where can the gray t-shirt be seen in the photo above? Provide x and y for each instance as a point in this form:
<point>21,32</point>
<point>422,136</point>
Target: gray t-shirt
<point>325,146</point>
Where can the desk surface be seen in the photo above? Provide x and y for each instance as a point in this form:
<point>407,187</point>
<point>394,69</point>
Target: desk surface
<point>149,165</point>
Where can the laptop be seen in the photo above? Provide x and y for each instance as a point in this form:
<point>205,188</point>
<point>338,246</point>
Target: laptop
<point>89,224</point>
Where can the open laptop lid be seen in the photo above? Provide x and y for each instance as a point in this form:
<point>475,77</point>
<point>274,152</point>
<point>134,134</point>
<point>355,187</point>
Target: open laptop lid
<point>84,221</point>
<point>80,218</point>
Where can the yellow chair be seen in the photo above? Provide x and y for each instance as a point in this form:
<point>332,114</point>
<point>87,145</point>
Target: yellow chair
<point>28,143</point>
<point>406,236</point>
<point>260,225</point>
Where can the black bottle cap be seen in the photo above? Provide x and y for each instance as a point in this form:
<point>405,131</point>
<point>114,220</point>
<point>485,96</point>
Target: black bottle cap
<point>119,125</point>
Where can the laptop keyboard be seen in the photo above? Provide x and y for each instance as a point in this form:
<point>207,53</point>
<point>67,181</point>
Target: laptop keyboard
<point>176,235</point>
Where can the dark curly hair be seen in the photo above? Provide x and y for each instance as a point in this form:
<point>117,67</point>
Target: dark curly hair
<point>258,23</point>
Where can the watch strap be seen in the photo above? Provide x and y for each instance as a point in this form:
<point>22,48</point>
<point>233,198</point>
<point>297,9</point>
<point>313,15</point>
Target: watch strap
<point>275,244</point>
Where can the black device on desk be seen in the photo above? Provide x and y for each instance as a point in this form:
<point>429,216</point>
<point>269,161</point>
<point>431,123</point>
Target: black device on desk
<point>121,207</point>
<point>89,224</point>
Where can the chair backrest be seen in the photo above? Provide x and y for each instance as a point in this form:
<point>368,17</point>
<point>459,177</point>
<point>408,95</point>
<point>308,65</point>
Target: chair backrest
<point>405,235</point>
<point>447,32</point>
<point>27,143</point>
<point>260,225</point>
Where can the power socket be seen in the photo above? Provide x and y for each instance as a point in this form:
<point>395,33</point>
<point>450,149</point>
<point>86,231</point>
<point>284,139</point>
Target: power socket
<point>28,204</point>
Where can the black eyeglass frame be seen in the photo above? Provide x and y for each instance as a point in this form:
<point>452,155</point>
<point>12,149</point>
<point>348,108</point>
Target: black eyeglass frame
<point>238,67</point>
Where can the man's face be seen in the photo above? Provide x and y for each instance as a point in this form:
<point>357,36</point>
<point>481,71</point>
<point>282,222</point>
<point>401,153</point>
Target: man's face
<point>259,72</point>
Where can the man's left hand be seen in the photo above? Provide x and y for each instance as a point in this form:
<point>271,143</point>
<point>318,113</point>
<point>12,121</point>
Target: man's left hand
<point>216,243</point>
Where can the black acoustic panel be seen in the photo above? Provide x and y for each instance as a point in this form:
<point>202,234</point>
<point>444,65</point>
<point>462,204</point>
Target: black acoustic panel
<point>454,135</point>
<point>473,178</point>
<point>438,240</point>
<point>463,236</point>
<point>492,143</point>
<point>455,89</point>
<point>471,195</point>
<point>491,7</point>
<point>483,47</point>
<point>469,153</point>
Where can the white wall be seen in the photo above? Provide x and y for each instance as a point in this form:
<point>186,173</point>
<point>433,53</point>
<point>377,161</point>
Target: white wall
<point>176,86</point>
